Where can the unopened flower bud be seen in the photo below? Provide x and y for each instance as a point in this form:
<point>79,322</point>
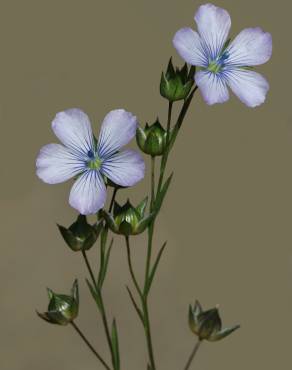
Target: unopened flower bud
<point>176,84</point>
<point>207,324</point>
<point>80,235</point>
<point>62,309</point>
<point>152,139</point>
<point>128,220</point>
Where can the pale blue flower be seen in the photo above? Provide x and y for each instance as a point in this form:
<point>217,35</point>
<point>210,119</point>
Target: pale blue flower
<point>223,63</point>
<point>90,161</point>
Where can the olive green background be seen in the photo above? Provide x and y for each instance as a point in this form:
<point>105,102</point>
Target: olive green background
<point>227,217</point>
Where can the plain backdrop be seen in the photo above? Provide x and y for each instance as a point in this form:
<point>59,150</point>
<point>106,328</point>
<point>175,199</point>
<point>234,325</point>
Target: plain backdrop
<point>227,216</point>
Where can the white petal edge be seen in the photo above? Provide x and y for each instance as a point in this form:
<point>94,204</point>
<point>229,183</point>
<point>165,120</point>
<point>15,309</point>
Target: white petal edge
<point>118,129</point>
<point>249,86</point>
<point>88,194</point>
<point>187,43</point>
<point>213,25</point>
<point>125,168</point>
<point>212,87</point>
<point>251,47</point>
<point>56,164</point>
<point>73,129</point>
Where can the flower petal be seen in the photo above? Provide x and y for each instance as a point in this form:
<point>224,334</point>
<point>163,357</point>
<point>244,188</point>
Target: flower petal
<point>249,86</point>
<point>251,47</point>
<point>125,168</point>
<point>188,44</point>
<point>118,129</point>
<point>56,164</point>
<point>213,25</point>
<point>88,194</point>
<point>73,129</point>
<point>212,86</point>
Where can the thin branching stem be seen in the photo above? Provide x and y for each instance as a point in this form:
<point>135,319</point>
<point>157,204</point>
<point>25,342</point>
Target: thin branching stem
<point>192,355</point>
<point>89,345</point>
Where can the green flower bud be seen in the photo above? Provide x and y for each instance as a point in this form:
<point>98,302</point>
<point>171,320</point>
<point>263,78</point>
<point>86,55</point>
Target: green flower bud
<point>80,235</point>
<point>128,220</point>
<point>62,309</point>
<point>176,84</point>
<point>207,324</point>
<point>152,140</point>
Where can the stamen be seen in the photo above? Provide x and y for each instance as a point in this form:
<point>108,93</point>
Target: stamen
<point>90,154</point>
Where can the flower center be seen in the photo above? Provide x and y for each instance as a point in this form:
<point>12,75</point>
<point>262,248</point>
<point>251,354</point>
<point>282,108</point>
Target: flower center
<point>94,162</point>
<point>216,65</point>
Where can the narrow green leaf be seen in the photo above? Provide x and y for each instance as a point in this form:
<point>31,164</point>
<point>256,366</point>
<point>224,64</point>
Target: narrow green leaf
<point>162,193</point>
<point>75,291</point>
<point>94,293</point>
<point>115,345</point>
<point>138,310</point>
<point>154,268</point>
<point>103,268</point>
<point>103,241</point>
<point>103,238</point>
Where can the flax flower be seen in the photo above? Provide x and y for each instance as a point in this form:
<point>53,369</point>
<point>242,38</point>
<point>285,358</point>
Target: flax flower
<point>223,63</point>
<point>88,160</point>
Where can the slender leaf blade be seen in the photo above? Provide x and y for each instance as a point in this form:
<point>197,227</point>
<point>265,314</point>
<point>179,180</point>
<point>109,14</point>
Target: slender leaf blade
<point>154,268</point>
<point>115,345</point>
<point>103,268</point>
<point>161,195</point>
<point>94,293</point>
<point>138,310</point>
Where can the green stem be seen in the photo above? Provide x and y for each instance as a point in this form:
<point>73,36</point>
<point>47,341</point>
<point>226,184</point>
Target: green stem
<point>149,253</point>
<point>131,267</point>
<point>174,133</point>
<point>192,355</point>
<point>152,182</point>
<point>170,139</point>
<point>106,329</point>
<point>89,268</point>
<point>102,307</point>
<point>89,345</point>
<point>150,227</point>
<point>148,333</point>
<point>113,199</point>
<point>170,104</point>
<point>165,154</point>
<point>144,303</point>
